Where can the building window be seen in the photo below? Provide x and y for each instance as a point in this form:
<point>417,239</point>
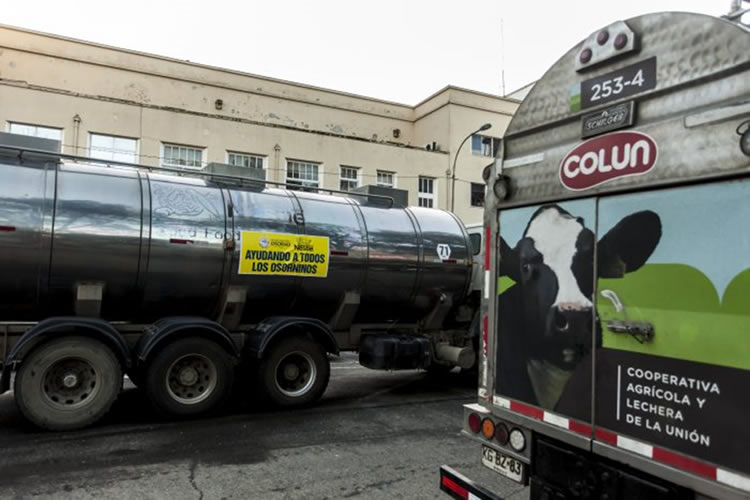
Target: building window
<point>349,178</point>
<point>477,194</point>
<point>386,179</point>
<point>484,145</point>
<point>245,160</point>
<point>426,192</point>
<point>303,174</point>
<point>182,156</point>
<point>35,131</point>
<point>111,148</point>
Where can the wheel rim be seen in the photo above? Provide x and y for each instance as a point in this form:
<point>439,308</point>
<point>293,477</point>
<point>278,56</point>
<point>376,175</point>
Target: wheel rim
<point>191,379</point>
<point>295,374</point>
<point>70,383</point>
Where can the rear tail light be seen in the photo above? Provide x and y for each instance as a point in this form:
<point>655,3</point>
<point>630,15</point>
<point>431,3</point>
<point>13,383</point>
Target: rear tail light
<point>488,428</point>
<point>501,434</point>
<point>517,440</point>
<point>475,423</point>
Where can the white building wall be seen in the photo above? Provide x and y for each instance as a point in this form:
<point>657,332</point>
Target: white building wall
<point>83,87</point>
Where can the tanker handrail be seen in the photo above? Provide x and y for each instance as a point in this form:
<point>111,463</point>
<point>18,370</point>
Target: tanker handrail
<point>183,172</point>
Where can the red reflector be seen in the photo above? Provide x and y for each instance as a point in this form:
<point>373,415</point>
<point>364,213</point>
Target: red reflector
<point>475,423</point>
<point>180,242</point>
<point>606,436</point>
<point>621,41</point>
<point>449,261</point>
<point>339,252</point>
<point>487,248</point>
<point>686,463</point>
<point>579,427</point>
<point>454,487</point>
<point>7,229</point>
<point>529,411</point>
<point>585,56</point>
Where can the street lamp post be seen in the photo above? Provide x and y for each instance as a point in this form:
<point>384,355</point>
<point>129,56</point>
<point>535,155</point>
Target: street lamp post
<point>484,127</point>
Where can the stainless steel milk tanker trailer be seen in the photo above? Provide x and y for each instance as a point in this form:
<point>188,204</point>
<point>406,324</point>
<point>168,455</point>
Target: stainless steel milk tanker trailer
<point>175,278</point>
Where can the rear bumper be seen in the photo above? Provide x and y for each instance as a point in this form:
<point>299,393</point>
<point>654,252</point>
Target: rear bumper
<point>460,487</point>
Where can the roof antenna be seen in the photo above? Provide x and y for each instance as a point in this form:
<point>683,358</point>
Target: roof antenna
<point>502,58</point>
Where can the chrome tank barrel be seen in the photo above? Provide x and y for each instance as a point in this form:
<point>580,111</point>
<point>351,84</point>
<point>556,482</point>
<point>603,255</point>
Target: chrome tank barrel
<point>161,245</point>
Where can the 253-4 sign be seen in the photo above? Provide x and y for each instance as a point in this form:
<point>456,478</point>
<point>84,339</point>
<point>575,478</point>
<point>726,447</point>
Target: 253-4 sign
<point>623,82</point>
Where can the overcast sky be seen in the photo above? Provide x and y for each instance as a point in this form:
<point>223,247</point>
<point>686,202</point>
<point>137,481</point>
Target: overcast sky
<point>397,50</point>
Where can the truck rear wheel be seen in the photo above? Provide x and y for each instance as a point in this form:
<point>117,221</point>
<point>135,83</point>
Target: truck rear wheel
<point>67,383</point>
<point>189,377</point>
<point>295,372</point>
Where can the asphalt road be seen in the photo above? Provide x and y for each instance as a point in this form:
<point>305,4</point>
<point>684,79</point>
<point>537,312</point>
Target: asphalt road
<point>373,435</point>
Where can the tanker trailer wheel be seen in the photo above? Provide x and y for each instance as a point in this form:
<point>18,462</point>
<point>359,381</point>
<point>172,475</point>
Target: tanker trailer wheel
<point>295,372</point>
<point>189,377</point>
<point>67,383</point>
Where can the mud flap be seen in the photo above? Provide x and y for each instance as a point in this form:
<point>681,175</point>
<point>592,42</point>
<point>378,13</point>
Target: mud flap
<point>461,487</point>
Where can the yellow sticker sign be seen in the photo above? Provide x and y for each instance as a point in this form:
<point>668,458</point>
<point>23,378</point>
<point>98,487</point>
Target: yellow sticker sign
<point>284,254</point>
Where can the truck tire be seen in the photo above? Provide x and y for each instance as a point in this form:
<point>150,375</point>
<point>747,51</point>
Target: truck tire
<point>188,377</point>
<point>67,383</point>
<point>295,372</point>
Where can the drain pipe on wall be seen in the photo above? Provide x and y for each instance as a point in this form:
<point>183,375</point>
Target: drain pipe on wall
<point>76,131</point>
<point>276,167</point>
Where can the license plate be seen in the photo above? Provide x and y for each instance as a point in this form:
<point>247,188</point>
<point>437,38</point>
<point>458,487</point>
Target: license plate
<point>508,467</point>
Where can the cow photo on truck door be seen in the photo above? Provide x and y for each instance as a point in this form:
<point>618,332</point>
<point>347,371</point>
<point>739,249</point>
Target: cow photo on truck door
<point>547,323</point>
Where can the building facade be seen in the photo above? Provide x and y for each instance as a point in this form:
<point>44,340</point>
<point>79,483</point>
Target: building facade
<point>121,105</point>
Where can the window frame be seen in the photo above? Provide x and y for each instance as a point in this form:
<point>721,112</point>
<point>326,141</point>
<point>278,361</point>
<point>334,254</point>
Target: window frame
<point>262,158</point>
<point>424,195</point>
<point>10,123</point>
<point>301,186</point>
<point>163,156</point>
<point>136,152</point>
<point>494,145</point>
<point>356,179</point>
<point>389,172</point>
<point>483,188</point>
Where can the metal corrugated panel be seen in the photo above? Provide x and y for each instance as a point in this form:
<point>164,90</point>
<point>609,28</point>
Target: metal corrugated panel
<point>703,63</point>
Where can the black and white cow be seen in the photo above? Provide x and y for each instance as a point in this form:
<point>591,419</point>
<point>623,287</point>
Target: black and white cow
<point>546,318</point>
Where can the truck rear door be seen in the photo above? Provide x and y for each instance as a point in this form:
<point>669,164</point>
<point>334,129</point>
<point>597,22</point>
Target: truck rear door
<point>545,318</point>
<point>673,367</point>
<point>621,202</point>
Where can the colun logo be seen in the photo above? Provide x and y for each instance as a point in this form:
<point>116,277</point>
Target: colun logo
<point>607,157</point>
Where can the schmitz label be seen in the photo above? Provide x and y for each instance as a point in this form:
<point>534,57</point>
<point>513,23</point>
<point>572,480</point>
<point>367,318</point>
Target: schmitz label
<point>607,157</point>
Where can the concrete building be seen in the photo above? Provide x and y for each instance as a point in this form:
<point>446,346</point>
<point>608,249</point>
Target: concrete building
<point>117,104</point>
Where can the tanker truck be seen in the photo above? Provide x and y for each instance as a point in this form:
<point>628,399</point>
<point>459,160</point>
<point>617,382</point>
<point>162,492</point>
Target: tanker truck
<point>615,354</point>
<point>177,280</point>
